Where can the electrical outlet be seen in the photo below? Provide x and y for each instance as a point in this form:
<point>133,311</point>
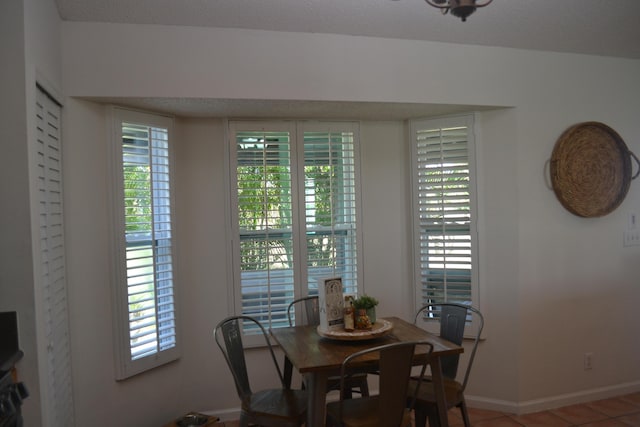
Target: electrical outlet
<point>631,238</point>
<point>633,221</point>
<point>588,361</point>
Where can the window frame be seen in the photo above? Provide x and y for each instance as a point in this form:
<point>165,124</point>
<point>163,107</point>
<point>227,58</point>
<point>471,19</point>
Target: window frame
<point>417,125</point>
<point>126,365</point>
<point>296,131</point>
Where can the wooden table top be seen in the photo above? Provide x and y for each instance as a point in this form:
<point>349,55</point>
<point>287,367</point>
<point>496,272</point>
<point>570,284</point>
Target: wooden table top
<point>310,352</point>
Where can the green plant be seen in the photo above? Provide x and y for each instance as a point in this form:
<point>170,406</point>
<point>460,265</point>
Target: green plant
<point>365,301</point>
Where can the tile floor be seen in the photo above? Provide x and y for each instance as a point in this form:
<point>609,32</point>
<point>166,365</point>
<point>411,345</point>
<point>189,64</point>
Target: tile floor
<point>621,411</point>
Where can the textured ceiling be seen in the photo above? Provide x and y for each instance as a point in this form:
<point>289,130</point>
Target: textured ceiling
<point>598,27</point>
<point>594,27</point>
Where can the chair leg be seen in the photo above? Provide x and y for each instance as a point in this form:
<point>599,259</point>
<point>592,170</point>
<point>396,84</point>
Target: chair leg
<point>330,422</point>
<point>287,372</point>
<point>364,388</point>
<point>434,418</point>
<point>420,417</point>
<point>244,419</point>
<point>465,413</point>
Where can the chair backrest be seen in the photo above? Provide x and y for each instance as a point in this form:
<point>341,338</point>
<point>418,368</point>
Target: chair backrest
<point>310,313</point>
<point>228,336</point>
<point>453,320</point>
<point>395,362</point>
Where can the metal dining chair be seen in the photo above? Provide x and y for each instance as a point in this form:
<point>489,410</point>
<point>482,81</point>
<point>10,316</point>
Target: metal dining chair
<point>453,319</point>
<point>273,407</point>
<point>388,408</point>
<point>307,309</point>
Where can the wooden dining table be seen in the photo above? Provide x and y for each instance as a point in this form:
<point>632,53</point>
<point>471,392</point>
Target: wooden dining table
<point>317,357</point>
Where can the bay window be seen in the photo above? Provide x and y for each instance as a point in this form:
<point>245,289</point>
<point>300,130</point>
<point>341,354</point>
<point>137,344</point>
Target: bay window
<point>144,290</point>
<point>294,206</point>
<point>444,220</point>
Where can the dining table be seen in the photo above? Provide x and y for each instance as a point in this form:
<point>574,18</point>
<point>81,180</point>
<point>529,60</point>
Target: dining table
<point>317,356</point>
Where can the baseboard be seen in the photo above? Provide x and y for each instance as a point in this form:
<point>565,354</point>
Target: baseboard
<point>506,406</point>
<point>231,414</point>
<point>551,402</point>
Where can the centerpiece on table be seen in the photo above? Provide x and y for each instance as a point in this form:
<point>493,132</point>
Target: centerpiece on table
<point>365,311</point>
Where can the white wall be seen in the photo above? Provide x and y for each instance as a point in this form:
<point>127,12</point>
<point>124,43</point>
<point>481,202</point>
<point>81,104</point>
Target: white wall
<point>545,272</point>
<point>30,53</point>
<point>16,276</point>
<point>385,188</point>
<point>43,61</point>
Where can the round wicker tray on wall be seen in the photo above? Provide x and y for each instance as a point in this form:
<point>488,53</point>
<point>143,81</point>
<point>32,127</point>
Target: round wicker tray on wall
<point>591,169</point>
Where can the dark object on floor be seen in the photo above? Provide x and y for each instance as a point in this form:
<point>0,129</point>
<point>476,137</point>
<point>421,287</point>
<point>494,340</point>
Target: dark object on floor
<point>194,419</point>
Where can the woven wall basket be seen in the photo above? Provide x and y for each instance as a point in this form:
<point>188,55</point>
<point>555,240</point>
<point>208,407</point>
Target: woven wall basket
<point>591,169</point>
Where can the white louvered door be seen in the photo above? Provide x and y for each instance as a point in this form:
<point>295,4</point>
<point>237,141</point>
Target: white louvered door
<point>56,384</point>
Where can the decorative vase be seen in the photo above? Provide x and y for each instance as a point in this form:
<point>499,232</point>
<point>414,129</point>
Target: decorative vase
<point>362,320</point>
<point>371,312</point>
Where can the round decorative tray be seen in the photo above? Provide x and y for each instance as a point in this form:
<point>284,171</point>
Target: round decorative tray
<point>380,328</point>
<point>591,169</point>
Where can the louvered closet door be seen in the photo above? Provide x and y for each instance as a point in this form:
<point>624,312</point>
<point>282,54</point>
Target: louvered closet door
<point>56,386</point>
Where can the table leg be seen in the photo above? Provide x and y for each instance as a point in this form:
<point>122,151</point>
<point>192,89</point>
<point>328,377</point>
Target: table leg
<point>438,384</point>
<point>317,389</point>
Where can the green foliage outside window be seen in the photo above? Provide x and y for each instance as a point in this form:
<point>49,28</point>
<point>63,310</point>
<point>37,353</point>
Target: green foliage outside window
<point>137,198</point>
<point>264,197</point>
<point>265,201</point>
<point>322,248</point>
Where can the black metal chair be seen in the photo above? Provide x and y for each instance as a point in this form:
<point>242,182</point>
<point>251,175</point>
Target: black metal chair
<point>309,314</point>
<point>273,407</point>
<point>453,319</point>
<point>389,407</point>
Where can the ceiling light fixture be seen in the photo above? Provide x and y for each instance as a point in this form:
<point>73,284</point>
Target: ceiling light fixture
<point>459,8</point>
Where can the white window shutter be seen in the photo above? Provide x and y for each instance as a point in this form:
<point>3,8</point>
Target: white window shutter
<point>144,288</point>
<point>294,201</point>
<point>444,210</point>
<point>330,171</point>
<point>264,220</point>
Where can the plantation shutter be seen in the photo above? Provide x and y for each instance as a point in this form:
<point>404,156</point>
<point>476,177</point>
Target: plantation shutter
<point>147,202</point>
<point>330,204</point>
<point>264,203</point>
<point>293,211</point>
<point>58,393</point>
<point>144,289</point>
<point>445,236</point>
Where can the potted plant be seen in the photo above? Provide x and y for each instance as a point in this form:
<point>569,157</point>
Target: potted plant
<point>368,303</point>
